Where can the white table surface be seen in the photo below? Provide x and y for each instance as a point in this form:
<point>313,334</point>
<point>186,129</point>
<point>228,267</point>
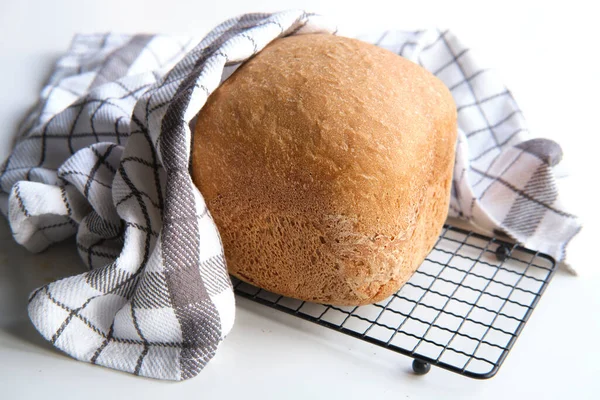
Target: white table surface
<point>548,57</point>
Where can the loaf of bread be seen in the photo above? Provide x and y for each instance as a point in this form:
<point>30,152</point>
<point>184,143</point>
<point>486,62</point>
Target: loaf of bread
<point>326,163</point>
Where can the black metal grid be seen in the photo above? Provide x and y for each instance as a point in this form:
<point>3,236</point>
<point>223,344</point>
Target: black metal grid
<point>462,310</point>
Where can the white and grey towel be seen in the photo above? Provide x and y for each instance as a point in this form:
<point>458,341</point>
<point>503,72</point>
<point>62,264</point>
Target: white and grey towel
<point>105,156</point>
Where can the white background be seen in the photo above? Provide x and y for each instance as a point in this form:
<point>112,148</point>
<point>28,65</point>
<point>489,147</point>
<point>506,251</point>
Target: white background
<point>546,52</point>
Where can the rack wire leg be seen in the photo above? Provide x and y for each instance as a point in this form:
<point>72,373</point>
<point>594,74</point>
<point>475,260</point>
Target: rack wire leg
<point>420,367</point>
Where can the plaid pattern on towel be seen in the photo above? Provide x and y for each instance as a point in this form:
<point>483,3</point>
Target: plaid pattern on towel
<point>105,156</point>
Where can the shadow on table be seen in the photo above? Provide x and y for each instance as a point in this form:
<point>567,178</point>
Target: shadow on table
<point>20,273</point>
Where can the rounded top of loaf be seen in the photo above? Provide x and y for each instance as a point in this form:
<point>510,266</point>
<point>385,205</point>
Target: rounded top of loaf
<point>330,123</point>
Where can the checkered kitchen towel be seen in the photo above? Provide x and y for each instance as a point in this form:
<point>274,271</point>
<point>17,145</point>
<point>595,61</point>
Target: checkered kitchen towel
<point>105,156</point>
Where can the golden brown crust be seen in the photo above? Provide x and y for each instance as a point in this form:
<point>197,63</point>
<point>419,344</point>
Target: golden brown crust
<point>326,163</point>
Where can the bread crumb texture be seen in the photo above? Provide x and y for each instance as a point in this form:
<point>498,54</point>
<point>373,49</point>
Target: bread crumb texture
<point>326,163</point>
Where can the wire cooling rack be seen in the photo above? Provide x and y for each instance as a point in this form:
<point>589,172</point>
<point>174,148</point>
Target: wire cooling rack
<point>462,310</point>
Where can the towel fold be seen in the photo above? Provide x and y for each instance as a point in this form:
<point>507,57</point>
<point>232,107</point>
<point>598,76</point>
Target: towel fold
<point>105,156</point>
